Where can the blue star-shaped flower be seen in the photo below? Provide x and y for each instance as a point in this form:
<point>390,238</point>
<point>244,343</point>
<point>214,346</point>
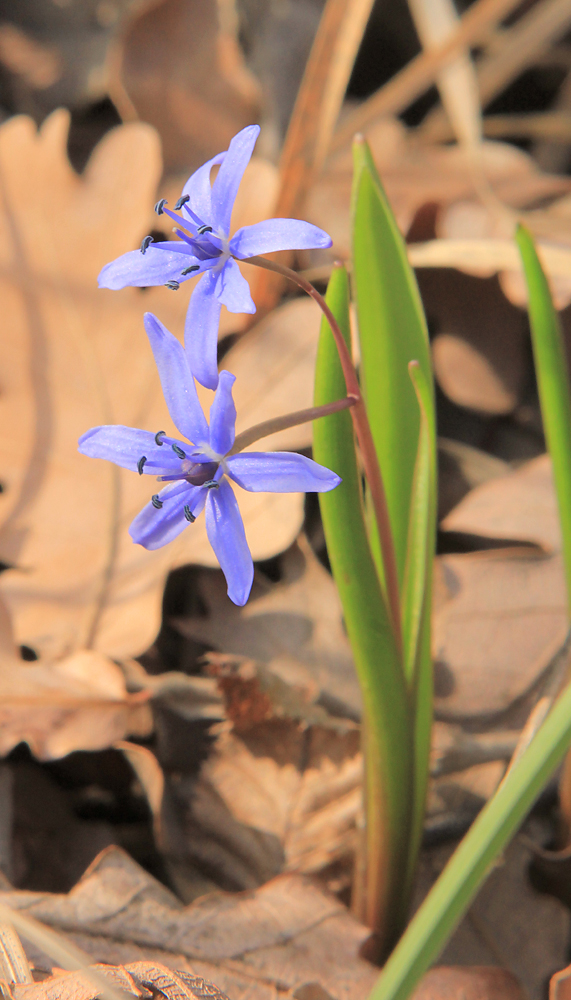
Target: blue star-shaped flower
<point>198,473</point>
<point>205,246</point>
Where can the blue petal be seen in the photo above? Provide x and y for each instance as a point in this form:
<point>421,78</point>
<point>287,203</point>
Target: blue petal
<point>223,416</point>
<point>125,446</point>
<point>154,528</point>
<point>154,267</point>
<point>280,472</point>
<point>277,234</point>
<point>226,185</point>
<point>232,289</point>
<point>199,190</point>
<point>226,535</point>
<point>178,384</point>
<point>201,331</point>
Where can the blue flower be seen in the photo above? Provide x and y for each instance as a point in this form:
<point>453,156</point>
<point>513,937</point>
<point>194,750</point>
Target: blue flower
<point>205,248</point>
<point>198,473</point>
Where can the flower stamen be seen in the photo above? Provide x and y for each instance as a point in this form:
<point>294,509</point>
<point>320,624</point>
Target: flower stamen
<point>188,514</point>
<point>140,464</point>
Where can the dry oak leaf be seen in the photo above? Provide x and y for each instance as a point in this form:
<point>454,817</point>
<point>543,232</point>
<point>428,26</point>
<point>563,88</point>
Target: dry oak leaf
<point>500,615</point>
<point>78,703</point>
<point>141,979</point>
<point>280,797</point>
<point>76,357</point>
<point>252,944</point>
<point>293,627</point>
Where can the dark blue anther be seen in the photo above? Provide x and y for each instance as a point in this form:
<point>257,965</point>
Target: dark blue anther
<point>156,502</point>
<point>172,284</point>
<point>211,484</point>
<point>146,243</point>
<point>193,267</point>
<point>160,205</point>
<point>178,451</point>
<point>140,464</point>
<point>204,229</point>
<point>188,514</point>
<point>157,438</point>
<point>181,201</point>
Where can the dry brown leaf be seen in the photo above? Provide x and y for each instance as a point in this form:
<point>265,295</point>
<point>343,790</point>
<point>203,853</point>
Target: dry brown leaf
<point>520,506</point>
<point>469,983</point>
<point>79,702</point>
<point>178,68</point>
<point>76,357</point>
<point>141,978</point>
<point>415,174</point>
<point>468,378</point>
<point>78,985</point>
<point>293,627</point>
<point>500,615</point>
<point>460,469</point>
<point>496,631</point>
<point>479,345</point>
<point>472,230</point>
<point>279,797</point>
<point>283,935</point>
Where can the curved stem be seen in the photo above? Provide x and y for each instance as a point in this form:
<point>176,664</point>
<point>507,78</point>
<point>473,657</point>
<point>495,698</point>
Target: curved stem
<point>288,420</point>
<point>364,437</point>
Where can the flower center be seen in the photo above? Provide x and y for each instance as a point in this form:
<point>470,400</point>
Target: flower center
<point>198,473</point>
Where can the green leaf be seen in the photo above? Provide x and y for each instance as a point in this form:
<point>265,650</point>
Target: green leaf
<point>387,738</point>
<point>468,867</point>
<point>422,523</point>
<point>392,332</point>
<point>553,384</point>
<point>417,601</point>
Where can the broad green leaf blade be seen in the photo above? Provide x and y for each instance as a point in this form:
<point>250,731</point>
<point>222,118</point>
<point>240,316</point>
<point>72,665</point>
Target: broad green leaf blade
<point>385,702</point>
<point>468,867</point>
<point>392,332</point>
<point>553,384</point>
<point>417,601</point>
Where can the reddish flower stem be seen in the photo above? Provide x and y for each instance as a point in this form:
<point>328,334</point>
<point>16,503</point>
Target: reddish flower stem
<point>364,437</point>
<point>294,419</point>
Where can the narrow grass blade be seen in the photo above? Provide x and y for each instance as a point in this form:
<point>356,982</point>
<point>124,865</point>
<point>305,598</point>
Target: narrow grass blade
<point>553,384</point>
<point>452,894</point>
<point>388,745</point>
<point>392,332</point>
